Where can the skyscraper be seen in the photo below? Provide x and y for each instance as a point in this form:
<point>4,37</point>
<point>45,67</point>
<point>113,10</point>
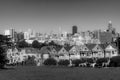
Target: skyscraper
<point>12,33</point>
<point>74,29</point>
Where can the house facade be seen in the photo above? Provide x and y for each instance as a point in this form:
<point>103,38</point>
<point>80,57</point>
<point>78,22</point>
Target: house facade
<point>111,51</point>
<point>30,52</point>
<point>63,53</point>
<point>75,52</point>
<point>13,55</point>
<point>85,52</point>
<point>98,51</point>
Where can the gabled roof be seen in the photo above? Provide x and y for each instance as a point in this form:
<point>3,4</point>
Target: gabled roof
<point>103,46</point>
<point>113,45</point>
<point>84,48</point>
<point>99,47</point>
<point>58,48</point>
<point>68,47</point>
<point>63,51</point>
<point>79,47</point>
<point>76,48</point>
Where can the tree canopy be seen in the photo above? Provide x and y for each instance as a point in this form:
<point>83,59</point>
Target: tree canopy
<point>36,44</point>
<point>22,44</point>
<point>4,41</point>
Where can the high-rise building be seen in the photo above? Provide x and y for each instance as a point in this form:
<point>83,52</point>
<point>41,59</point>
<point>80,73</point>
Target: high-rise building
<point>110,28</point>
<point>105,37</point>
<point>12,34</point>
<point>20,36</point>
<point>7,32</point>
<point>74,30</point>
<point>26,35</point>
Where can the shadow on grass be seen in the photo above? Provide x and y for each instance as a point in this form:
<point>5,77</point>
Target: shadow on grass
<point>7,68</point>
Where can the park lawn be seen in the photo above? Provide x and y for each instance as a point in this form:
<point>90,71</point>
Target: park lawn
<point>59,73</point>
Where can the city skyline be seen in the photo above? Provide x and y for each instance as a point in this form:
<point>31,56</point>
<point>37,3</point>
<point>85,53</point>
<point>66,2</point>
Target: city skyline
<point>45,16</point>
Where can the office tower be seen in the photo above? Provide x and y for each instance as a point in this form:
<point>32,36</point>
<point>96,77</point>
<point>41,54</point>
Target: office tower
<point>74,30</point>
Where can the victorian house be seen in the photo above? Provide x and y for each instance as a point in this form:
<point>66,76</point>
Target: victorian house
<point>111,51</point>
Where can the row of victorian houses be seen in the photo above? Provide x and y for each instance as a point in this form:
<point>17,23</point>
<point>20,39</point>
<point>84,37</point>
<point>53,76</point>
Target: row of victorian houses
<point>64,52</point>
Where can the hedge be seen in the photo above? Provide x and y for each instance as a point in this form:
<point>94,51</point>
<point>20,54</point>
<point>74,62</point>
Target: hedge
<point>64,62</point>
<point>77,62</point>
<point>115,61</point>
<point>101,60</point>
<point>90,60</point>
<point>30,61</point>
<point>50,61</point>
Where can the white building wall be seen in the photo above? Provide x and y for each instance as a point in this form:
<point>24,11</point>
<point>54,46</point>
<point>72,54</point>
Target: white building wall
<point>7,32</point>
<point>26,35</point>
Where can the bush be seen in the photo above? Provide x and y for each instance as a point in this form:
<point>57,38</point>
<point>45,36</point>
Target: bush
<point>115,61</point>
<point>30,61</point>
<point>3,58</point>
<point>50,61</point>
<point>90,60</point>
<point>64,62</point>
<point>77,62</point>
<point>100,61</point>
<point>83,60</point>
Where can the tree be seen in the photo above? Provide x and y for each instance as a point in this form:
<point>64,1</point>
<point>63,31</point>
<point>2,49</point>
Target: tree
<point>115,61</point>
<point>22,44</point>
<point>36,44</point>
<point>3,58</point>
<point>52,43</point>
<point>50,61</point>
<point>4,40</point>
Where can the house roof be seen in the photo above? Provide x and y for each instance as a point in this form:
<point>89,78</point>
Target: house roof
<point>113,45</point>
<point>103,46</point>
<point>58,48</point>
<point>76,47</point>
<point>68,47</point>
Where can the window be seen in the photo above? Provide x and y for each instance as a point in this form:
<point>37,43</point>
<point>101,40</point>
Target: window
<point>108,51</point>
<point>97,48</point>
<point>88,54</point>
<point>113,52</point>
<point>85,48</point>
<point>95,52</point>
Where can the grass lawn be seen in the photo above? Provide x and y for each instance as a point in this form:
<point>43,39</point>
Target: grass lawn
<point>59,73</point>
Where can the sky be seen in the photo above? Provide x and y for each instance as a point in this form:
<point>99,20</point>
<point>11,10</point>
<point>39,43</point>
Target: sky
<point>47,16</point>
